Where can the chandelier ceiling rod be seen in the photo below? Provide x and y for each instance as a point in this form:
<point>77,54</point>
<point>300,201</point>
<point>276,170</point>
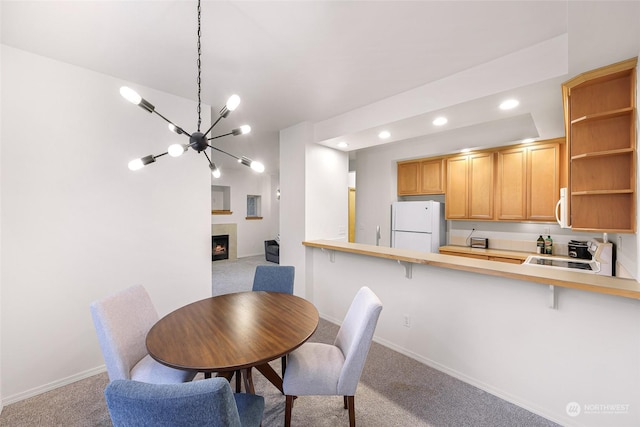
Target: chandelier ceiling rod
<point>197,140</point>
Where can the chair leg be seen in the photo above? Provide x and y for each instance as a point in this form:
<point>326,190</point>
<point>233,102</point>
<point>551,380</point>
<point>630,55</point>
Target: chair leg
<point>238,381</point>
<point>287,410</point>
<point>284,364</point>
<point>349,402</point>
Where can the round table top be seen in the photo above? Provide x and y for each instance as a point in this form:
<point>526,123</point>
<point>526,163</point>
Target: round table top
<point>232,331</point>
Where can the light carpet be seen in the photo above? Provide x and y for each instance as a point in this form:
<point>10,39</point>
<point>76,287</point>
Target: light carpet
<point>394,390</point>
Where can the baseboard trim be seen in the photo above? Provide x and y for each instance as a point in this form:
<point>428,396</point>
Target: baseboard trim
<point>529,406</point>
<point>52,385</point>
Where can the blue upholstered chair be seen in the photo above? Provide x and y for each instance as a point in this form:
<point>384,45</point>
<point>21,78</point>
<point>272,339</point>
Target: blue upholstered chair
<point>207,402</point>
<point>324,369</point>
<point>274,278</point>
<point>122,321</point>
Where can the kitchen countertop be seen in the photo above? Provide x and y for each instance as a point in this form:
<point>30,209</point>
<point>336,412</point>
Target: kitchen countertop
<point>627,288</point>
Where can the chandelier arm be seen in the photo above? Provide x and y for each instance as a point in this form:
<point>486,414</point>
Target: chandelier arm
<point>208,159</point>
<point>171,123</point>
<point>220,136</point>
<point>224,152</point>
<point>213,125</point>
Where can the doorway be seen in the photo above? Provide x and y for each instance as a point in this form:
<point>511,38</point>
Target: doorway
<point>352,214</point>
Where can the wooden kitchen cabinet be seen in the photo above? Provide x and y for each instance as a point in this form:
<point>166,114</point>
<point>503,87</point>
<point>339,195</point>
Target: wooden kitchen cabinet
<point>408,178</point>
<point>432,176</point>
<point>483,254</point>
<point>419,177</point>
<point>528,182</point>
<point>600,121</point>
<point>469,192</point>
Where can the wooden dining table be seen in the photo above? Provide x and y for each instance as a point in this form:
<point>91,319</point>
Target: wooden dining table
<point>233,333</point>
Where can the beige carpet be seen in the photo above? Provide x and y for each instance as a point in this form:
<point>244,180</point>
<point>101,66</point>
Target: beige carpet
<point>394,391</point>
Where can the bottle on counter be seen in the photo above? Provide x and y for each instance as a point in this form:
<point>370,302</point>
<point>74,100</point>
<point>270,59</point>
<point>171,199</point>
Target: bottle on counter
<point>540,245</point>
<point>548,246</point>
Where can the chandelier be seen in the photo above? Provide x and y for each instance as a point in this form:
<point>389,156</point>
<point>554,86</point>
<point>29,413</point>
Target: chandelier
<point>198,141</point>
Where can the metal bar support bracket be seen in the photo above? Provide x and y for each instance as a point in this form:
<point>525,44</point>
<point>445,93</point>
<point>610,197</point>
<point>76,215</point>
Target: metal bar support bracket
<point>408,268</point>
<point>331,253</point>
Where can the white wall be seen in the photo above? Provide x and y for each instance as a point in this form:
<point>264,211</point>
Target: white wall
<point>327,197</point>
<point>293,143</point>
<point>1,48</point>
<point>499,334</point>
<point>314,201</point>
<point>77,225</point>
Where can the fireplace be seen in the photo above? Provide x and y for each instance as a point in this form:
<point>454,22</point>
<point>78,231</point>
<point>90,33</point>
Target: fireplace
<point>219,247</point>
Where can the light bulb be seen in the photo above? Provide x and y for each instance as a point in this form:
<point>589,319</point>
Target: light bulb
<point>176,129</point>
<point>233,102</point>
<point>214,170</point>
<point>257,166</point>
<point>245,129</point>
<point>176,150</point>
<point>136,164</point>
<point>130,95</point>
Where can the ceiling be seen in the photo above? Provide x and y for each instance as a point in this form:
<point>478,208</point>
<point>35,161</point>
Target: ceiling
<point>329,62</point>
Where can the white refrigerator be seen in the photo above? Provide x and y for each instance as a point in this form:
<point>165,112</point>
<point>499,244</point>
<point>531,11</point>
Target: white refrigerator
<point>419,226</point>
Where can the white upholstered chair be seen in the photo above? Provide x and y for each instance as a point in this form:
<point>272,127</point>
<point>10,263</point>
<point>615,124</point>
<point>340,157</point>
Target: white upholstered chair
<point>324,369</point>
<point>122,321</point>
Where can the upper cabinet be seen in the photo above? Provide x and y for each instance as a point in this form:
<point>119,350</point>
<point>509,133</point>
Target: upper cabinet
<point>528,182</point>
<point>418,177</point>
<point>470,181</point>
<point>600,122</point>
<point>408,178</point>
<point>515,183</point>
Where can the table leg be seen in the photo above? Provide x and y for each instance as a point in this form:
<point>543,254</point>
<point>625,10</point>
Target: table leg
<point>225,375</point>
<point>248,381</point>
<point>271,375</point>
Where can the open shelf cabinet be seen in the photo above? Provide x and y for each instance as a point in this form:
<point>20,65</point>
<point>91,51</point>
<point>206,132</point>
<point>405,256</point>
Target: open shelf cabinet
<point>600,108</point>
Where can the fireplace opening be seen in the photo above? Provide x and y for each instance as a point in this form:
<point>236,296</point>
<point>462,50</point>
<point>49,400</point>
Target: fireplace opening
<point>219,247</point>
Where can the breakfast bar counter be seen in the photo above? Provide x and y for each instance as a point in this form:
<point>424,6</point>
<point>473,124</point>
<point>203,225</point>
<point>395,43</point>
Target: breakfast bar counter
<point>627,288</point>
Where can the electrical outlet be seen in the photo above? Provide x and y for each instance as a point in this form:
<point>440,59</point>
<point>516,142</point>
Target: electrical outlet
<point>407,321</point>
<point>546,231</point>
<point>619,248</point>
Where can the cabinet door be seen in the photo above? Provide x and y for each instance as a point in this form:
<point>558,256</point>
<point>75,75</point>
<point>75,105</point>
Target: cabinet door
<point>457,188</point>
<point>481,186</point>
<point>512,184</point>
<point>432,177</point>
<point>408,178</point>
<point>543,166</point>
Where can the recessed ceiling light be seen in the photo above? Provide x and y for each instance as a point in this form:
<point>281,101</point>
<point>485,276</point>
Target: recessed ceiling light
<point>509,104</point>
<point>384,134</point>
<point>440,121</point>
<point>342,144</point>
